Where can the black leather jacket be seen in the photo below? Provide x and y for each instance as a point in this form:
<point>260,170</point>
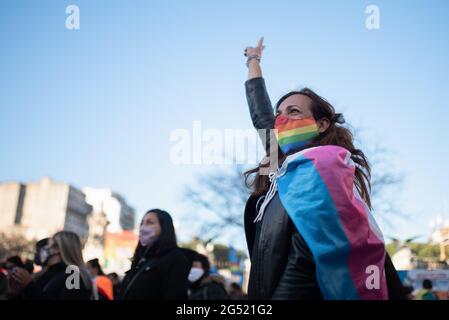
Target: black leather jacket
<point>282,265</point>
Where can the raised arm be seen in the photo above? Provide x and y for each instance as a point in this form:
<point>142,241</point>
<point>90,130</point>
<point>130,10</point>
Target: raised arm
<point>259,102</point>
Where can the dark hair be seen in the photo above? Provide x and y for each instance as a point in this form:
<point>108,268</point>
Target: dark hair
<point>96,265</point>
<point>41,243</point>
<point>3,283</point>
<point>16,261</point>
<point>407,290</point>
<point>38,247</point>
<point>113,275</point>
<point>204,262</point>
<point>165,242</point>
<point>29,266</point>
<point>427,284</point>
<point>235,286</point>
<point>336,134</point>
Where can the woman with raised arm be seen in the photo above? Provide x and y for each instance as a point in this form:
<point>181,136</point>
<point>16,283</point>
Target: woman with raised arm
<point>308,223</point>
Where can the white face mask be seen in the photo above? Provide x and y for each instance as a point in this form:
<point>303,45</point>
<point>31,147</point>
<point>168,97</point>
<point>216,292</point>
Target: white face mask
<point>44,255</point>
<point>195,274</point>
<point>147,235</point>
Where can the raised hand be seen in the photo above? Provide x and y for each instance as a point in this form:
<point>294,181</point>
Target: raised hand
<point>254,55</point>
<point>255,51</point>
<point>21,276</point>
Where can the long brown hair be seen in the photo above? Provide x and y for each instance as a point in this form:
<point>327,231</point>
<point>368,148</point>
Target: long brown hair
<point>70,247</point>
<point>335,134</point>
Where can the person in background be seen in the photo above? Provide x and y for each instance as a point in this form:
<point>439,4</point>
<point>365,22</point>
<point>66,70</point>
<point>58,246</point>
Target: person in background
<point>40,257</point>
<point>159,267</point>
<point>116,283</point>
<point>40,252</point>
<point>102,285</point>
<point>235,292</point>
<point>64,259</point>
<point>203,285</point>
<point>3,284</point>
<point>14,289</point>
<point>28,265</point>
<point>426,293</point>
<point>13,261</point>
<point>16,261</point>
<point>408,292</point>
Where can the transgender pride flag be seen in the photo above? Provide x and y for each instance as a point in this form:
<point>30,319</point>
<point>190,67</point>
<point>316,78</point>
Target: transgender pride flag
<point>316,187</point>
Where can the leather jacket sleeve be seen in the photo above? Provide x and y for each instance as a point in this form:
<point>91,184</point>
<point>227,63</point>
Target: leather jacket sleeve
<point>260,109</point>
<point>298,281</point>
<point>259,104</point>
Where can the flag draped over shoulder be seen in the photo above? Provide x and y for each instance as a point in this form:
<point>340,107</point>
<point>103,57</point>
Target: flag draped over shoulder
<point>316,187</point>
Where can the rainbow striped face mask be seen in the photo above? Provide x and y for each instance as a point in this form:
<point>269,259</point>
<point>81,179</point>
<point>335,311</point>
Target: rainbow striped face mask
<point>294,134</point>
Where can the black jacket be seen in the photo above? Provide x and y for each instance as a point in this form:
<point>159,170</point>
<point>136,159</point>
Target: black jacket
<point>51,285</point>
<point>208,289</point>
<point>158,277</point>
<point>282,265</point>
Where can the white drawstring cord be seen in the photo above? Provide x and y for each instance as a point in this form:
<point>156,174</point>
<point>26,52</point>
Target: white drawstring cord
<point>270,194</point>
<point>257,203</point>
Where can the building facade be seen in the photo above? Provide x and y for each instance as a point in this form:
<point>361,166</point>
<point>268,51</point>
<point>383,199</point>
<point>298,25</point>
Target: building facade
<point>119,214</point>
<point>112,220</point>
<point>39,210</point>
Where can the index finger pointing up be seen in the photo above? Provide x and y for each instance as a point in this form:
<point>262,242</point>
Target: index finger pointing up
<point>260,44</point>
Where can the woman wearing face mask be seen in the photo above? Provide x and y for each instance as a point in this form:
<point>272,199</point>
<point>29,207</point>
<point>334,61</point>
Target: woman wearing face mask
<point>308,224</point>
<point>203,285</point>
<point>159,267</point>
<point>40,252</point>
<point>63,250</point>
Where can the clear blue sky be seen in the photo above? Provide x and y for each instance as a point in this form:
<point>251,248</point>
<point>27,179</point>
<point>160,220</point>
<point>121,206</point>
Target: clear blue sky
<point>95,106</point>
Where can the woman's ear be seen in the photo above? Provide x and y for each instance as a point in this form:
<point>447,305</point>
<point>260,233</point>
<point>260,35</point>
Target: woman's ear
<point>323,124</point>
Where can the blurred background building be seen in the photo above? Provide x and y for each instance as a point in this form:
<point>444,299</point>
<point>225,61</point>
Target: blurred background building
<point>112,237</point>
<point>416,261</point>
<point>37,210</point>
<point>40,209</point>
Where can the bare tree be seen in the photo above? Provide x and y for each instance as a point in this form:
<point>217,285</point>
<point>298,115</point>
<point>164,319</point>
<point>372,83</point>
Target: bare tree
<point>386,182</point>
<point>220,196</point>
<point>15,244</point>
